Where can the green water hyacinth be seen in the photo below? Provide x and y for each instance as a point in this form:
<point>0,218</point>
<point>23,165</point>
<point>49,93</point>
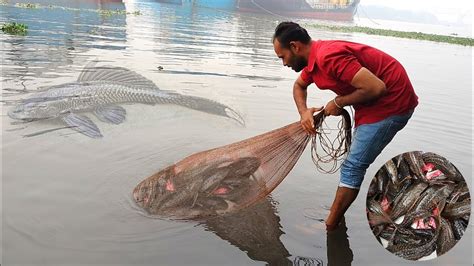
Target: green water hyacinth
<point>15,28</point>
<point>108,13</point>
<point>399,34</point>
<point>102,12</point>
<point>27,5</point>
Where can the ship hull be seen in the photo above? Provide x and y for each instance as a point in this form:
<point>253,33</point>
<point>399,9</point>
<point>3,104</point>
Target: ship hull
<point>219,4</point>
<point>176,2</point>
<point>298,9</point>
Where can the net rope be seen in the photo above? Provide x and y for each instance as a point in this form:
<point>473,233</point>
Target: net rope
<point>238,175</point>
<point>326,153</point>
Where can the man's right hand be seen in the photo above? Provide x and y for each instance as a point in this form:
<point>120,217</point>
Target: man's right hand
<point>307,120</point>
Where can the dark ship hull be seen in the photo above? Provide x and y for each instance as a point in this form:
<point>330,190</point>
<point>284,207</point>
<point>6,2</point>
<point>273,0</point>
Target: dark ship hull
<point>300,9</point>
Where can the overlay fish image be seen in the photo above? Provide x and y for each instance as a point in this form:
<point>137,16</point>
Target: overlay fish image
<point>418,205</point>
<point>100,90</point>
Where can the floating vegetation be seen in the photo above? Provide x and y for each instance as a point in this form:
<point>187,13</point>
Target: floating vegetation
<point>108,12</point>
<point>27,5</point>
<point>400,34</point>
<point>15,28</point>
<point>102,12</point>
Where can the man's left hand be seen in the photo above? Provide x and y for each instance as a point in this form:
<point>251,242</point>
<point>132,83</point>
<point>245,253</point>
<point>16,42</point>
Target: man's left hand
<point>332,109</point>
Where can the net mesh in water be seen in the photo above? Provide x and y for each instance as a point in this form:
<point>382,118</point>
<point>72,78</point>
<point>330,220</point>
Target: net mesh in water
<point>234,176</point>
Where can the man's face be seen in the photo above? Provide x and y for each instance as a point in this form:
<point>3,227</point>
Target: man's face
<point>289,56</point>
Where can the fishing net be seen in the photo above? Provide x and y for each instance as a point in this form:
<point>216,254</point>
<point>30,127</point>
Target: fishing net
<point>237,175</point>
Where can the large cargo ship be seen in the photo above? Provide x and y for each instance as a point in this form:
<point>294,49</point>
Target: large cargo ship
<point>219,4</point>
<point>311,9</point>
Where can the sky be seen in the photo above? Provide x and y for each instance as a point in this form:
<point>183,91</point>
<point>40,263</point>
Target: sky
<point>444,10</point>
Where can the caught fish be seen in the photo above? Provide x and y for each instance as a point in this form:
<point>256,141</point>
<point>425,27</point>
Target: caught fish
<point>204,190</point>
<point>429,200</point>
<point>394,237</point>
<point>212,181</point>
<point>376,214</point>
<point>405,201</point>
<point>446,239</point>
<point>457,209</point>
<point>443,165</point>
<point>379,184</point>
<point>460,193</point>
<point>415,251</point>
<point>403,169</point>
<point>459,226</point>
<point>415,163</point>
<point>100,90</point>
<point>392,172</point>
<point>429,204</point>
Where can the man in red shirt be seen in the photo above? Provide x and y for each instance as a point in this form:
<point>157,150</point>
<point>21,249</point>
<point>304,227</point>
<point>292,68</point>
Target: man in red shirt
<point>373,82</point>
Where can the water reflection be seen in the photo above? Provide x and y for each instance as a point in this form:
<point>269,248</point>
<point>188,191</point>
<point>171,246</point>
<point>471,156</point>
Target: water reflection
<point>57,34</point>
<point>68,33</point>
<point>201,73</point>
<point>255,230</point>
<point>338,249</point>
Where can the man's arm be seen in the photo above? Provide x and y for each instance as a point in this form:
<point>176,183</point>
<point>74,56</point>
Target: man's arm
<point>368,88</point>
<point>300,95</point>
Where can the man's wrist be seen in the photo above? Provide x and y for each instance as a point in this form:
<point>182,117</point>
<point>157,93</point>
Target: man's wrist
<point>340,106</point>
<point>302,110</point>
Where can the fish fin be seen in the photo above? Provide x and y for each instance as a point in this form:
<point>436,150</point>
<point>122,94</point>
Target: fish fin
<point>206,105</point>
<point>195,198</point>
<point>115,74</point>
<point>82,124</point>
<point>111,114</point>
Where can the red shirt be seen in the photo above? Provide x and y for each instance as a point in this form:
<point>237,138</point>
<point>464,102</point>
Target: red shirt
<point>333,64</point>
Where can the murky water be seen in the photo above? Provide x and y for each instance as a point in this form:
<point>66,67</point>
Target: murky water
<point>66,198</point>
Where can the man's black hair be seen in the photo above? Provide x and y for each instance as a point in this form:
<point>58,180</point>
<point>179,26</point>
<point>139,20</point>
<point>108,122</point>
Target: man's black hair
<point>288,31</point>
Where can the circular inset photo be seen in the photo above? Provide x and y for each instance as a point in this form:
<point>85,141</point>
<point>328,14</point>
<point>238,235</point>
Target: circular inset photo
<point>418,205</point>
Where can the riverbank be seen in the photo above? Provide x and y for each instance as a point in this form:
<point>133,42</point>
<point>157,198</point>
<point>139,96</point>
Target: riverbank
<point>399,34</point>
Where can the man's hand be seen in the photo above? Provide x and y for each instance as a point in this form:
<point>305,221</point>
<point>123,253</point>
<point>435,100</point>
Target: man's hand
<point>307,120</point>
<point>332,109</point>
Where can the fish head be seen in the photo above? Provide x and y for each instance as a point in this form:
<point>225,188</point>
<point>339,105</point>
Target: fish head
<point>245,166</point>
<point>142,193</point>
<point>152,191</point>
<point>33,110</point>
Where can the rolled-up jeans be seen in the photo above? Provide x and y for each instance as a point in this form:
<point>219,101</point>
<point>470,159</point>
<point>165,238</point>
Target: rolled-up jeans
<point>367,143</point>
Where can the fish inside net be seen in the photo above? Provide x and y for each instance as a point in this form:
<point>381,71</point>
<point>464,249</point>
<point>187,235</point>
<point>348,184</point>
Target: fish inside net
<point>235,176</point>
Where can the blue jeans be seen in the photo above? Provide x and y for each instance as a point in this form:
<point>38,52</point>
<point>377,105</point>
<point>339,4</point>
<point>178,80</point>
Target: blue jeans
<point>367,143</point>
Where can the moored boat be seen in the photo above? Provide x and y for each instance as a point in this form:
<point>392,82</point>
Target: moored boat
<point>312,9</point>
<point>219,4</point>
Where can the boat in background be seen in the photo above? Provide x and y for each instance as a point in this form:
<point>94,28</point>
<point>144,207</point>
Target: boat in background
<point>311,9</point>
<point>218,4</point>
<point>176,2</point>
<point>342,10</point>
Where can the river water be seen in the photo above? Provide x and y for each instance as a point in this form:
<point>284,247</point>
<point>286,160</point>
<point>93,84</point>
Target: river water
<point>66,198</point>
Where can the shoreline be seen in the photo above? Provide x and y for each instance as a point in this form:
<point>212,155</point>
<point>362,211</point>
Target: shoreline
<point>464,41</point>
